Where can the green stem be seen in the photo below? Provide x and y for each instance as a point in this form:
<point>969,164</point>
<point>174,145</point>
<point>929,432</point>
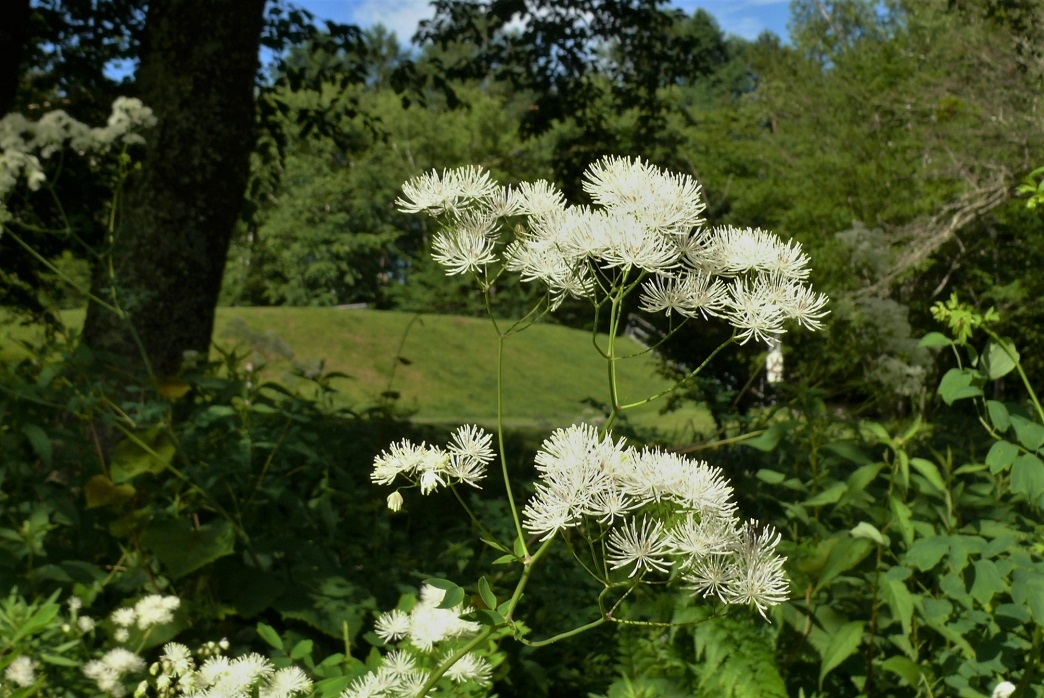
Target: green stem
<point>1022,374</point>
<point>678,384</point>
<point>454,658</point>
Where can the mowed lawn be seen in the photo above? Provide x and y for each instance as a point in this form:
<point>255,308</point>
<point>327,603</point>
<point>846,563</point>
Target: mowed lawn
<point>444,367</point>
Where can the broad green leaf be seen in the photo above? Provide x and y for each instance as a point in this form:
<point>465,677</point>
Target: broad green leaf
<point>1029,433</point>
<point>929,472</point>
<point>505,560</point>
<point>987,581</point>
<point>898,598</point>
<point>769,439</point>
<point>301,650</point>
<point>771,477</point>
<point>184,549</point>
<point>100,491</point>
<point>269,635</point>
<point>39,620</point>
<point>901,514</point>
<point>489,617</point>
<point>849,451</point>
<point>925,553</point>
<point>906,669</point>
<point>1027,589</point>
<point>878,432</point>
<point>1001,455</point>
<point>957,384</point>
<point>848,553</point>
<point>487,595</point>
<point>440,583</point>
<point>999,416</point>
<point>41,444</point>
<point>148,452</point>
<point>868,531</point>
<point>1027,476</point>
<point>935,339</point>
<point>830,495</point>
<point>843,645</point>
<point>863,476</point>
<point>996,359</point>
<point>454,597</point>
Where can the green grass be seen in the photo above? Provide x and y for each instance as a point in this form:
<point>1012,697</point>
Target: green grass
<point>448,367</point>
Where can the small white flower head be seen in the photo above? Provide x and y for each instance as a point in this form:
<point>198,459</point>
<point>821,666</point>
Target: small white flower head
<point>285,683</point>
<point>85,624</point>
<point>155,610</point>
<point>395,501</point>
<point>467,247</point>
<point>647,548</point>
<point>470,667</point>
<point>21,672</point>
<point>399,663</point>
<point>470,452</point>
<point>1003,690</point>
<point>430,624</point>
<point>449,191</point>
<point>108,671</point>
<point>123,617</point>
<point>758,579</point>
<point>176,659</point>
<point>121,635</point>
<point>392,625</point>
<point>74,603</point>
<point>367,686</point>
<point>666,202</point>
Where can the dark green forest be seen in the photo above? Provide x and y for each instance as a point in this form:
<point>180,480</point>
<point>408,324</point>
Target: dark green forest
<point>143,457</point>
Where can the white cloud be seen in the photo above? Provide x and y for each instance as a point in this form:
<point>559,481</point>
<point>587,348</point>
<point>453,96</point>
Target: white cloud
<point>399,16</point>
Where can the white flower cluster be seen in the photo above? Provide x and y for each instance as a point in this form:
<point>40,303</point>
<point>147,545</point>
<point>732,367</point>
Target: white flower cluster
<point>431,467</point>
<point>148,611</point>
<point>21,671</point>
<point>399,675</point>
<point>23,142</point>
<point>109,670</point>
<point>644,220</point>
<point>693,529</point>
<point>177,674</point>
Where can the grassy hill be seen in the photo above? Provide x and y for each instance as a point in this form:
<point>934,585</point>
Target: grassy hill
<point>448,367</point>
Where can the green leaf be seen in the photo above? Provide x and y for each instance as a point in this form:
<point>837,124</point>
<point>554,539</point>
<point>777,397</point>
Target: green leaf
<point>926,553</point>
<point>1027,476</point>
<point>996,360</point>
<point>957,385</point>
<point>988,581</point>
<point>184,549</point>
<point>843,644</point>
<point>868,531</point>
<point>1029,433</point>
<point>1027,589</point>
<point>41,444</point>
<point>505,560</point>
<point>849,451</point>
<point>495,545</point>
<point>929,472</point>
<point>828,496</point>
<point>487,595</point>
<point>878,432</point>
<point>935,339</point>
<point>902,513</point>
<point>301,650</point>
<point>269,635</point>
<point>39,620</point>
<point>848,553</point>
<point>440,583</point>
<point>148,452</point>
<point>862,477</point>
<point>59,660</point>
<point>898,598</point>
<point>489,617</point>
<point>1001,455</point>
<point>999,416</point>
<point>454,597</point>
<point>771,477</point>
<point>906,669</point>
<point>769,439</point>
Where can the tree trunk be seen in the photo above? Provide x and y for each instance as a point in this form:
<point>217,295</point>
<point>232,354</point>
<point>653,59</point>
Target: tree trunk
<point>198,67</point>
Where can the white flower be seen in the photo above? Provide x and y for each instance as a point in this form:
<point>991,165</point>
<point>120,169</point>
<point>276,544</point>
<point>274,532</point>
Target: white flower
<point>1003,690</point>
<point>464,248</point>
<point>177,659</point>
<point>647,549</point>
<point>155,610</point>
<point>694,540</point>
<point>688,293</point>
<point>758,579</point>
<point>399,662</point>
<point>286,682</point>
<point>123,617</point>
<point>395,501</point>
<point>668,203</point>
<point>21,672</point>
<point>430,624</point>
<point>85,624</point>
<point>470,453</point>
<point>470,667</point>
<point>392,626</point>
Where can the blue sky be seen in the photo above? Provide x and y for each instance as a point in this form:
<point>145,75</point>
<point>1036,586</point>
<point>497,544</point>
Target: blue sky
<point>745,18</point>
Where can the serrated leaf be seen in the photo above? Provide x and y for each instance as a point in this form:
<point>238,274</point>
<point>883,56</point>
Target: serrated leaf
<point>843,644</point>
<point>1001,455</point>
<point>999,416</point>
<point>269,635</point>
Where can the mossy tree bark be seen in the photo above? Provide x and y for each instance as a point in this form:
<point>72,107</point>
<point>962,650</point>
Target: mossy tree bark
<point>197,73</point>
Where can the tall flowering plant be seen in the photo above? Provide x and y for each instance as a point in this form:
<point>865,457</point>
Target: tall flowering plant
<point>629,515</point>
